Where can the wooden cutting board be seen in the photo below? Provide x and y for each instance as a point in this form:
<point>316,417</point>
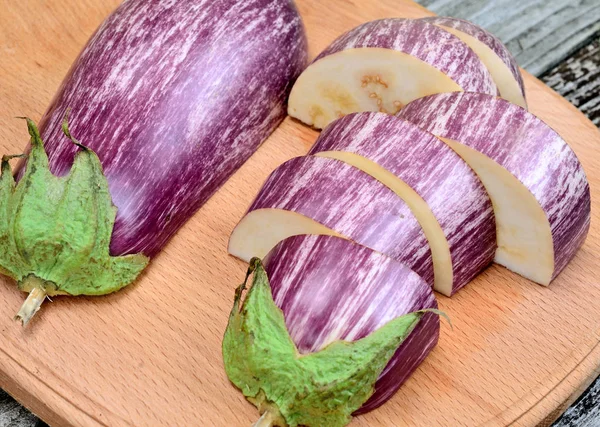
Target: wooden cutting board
<point>151,354</point>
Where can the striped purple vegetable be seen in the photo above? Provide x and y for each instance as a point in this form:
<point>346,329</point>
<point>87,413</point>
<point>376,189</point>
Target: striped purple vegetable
<point>331,289</point>
<point>492,52</point>
<point>381,66</point>
<point>174,97</point>
<point>540,194</point>
<point>443,192</point>
<point>421,40</point>
<point>315,195</point>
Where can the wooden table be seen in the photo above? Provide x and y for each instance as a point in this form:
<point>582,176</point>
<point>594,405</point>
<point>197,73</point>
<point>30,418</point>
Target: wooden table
<point>573,77</point>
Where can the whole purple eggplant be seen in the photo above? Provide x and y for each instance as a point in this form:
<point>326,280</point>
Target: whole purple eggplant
<point>174,96</point>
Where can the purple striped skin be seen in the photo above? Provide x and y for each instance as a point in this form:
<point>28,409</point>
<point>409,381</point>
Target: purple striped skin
<point>524,145</point>
<point>331,289</point>
<point>485,37</point>
<point>424,41</point>
<point>174,97</point>
<point>448,185</point>
<point>352,203</point>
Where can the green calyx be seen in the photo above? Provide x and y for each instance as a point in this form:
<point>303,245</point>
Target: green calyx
<point>55,231</point>
<point>317,389</point>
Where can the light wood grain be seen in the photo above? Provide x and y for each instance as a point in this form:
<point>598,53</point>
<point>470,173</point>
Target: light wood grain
<point>150,355</point>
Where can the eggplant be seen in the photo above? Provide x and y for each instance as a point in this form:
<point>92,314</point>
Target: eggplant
<point>493,53</point>
<point>443,192</point>
<point>538,188</point>
<point>172,97</point>
<point>381,66</point>
<point>315,195</point>
<point>336,331</point>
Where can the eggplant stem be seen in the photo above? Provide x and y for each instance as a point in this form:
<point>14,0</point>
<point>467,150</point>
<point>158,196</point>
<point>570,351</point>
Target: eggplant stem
<point>266,420</point>
<point>31,305</point>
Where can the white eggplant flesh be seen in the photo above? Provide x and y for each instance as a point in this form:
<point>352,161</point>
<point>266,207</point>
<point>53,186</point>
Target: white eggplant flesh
<point>538,188</point>
<point>383,65</point>
<point>315,195</point>
<point>443,192</point>
<point>493,53</point>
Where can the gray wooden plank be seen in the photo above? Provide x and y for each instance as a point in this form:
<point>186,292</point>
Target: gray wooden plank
<point>568,36</point>
<point>546,26</point>
<point>585,412</point>
<point>540,33</point>
<point>434,4</point>
<point>535,13</point>
<point>546,20</point>
<point>578,80</point>
<point>14,415</point>
<point>455,8</point>
<point>503,17</point>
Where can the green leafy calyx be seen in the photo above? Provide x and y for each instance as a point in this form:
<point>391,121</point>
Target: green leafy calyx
<point>317,389</point>
<point>55,231</point>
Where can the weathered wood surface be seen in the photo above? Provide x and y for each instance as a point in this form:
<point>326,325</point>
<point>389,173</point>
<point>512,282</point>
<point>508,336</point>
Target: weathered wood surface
<point>14,415</point>
<point>578,79</point>
<point>585,412</point>
<point>539,33</point>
